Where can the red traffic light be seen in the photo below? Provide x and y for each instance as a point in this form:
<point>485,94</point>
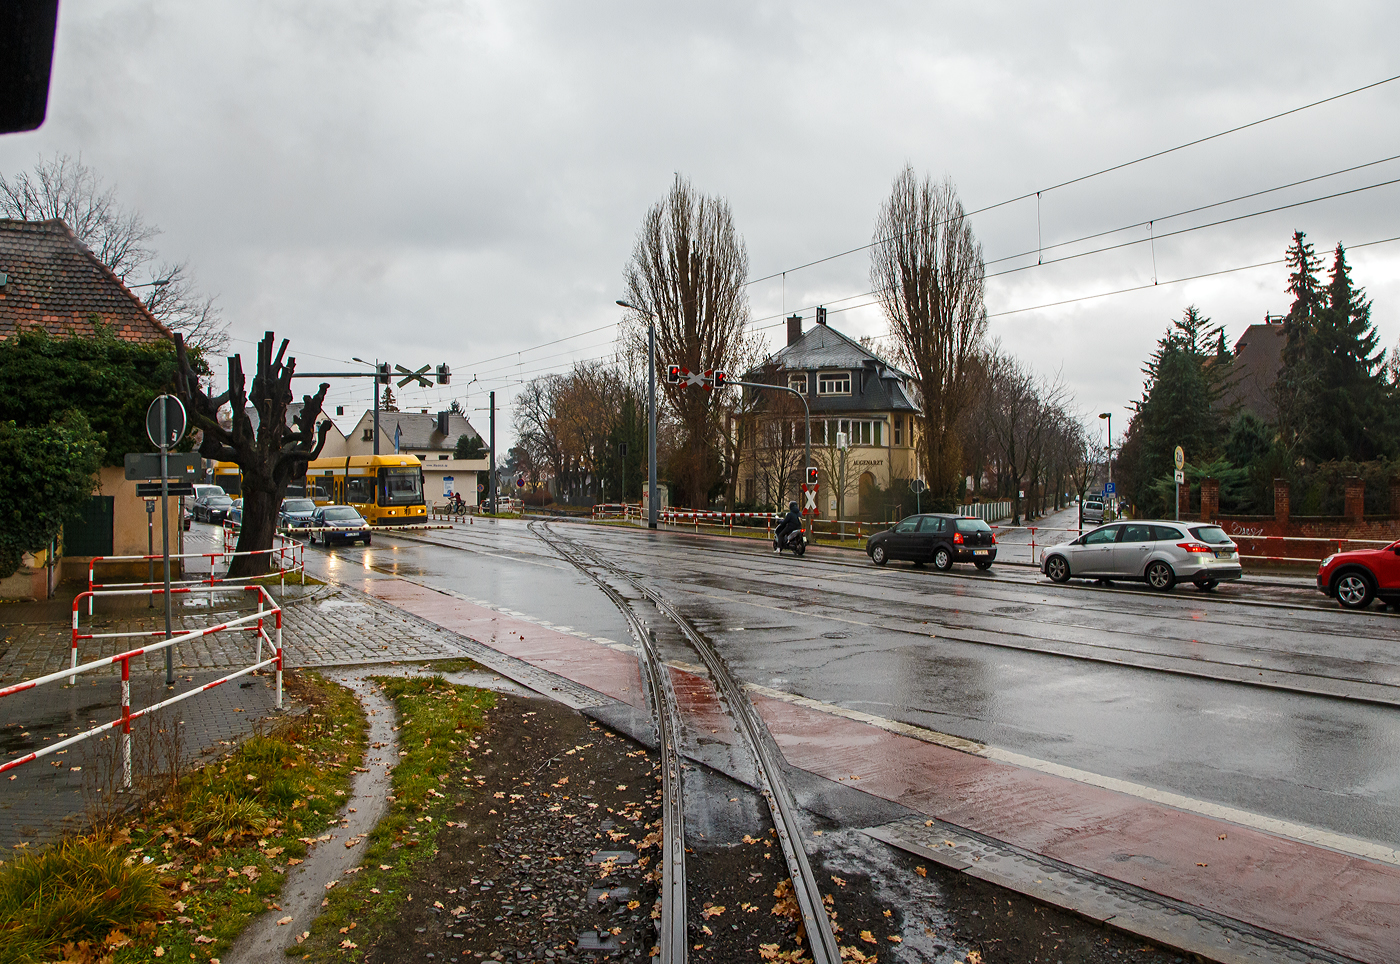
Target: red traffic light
<point>673,374</point>
<point>811,475</point>
<point>720,378</point>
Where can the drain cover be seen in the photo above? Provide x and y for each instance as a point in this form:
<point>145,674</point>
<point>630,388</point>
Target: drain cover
<point>1013,610</point>
<point>836,635</point>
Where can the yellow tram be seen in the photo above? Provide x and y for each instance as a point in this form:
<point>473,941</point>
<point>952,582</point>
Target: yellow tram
<point>386,489</point>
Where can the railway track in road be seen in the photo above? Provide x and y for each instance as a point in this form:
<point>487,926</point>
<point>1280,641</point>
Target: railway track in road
<point>821,939</point>
<point>1054,629</point>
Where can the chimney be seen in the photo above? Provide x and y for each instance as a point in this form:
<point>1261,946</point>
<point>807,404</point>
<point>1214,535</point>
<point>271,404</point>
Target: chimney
<point>794,328</point>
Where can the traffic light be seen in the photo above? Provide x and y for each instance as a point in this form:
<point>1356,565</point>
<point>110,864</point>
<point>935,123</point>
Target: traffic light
<point>673,374</point>
<point>444,375</point>
<point>720,377</point>
<point>383,373</point>
<point>811,475</point>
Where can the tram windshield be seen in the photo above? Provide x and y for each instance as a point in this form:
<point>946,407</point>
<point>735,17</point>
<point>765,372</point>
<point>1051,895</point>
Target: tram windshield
<point>402,487</point>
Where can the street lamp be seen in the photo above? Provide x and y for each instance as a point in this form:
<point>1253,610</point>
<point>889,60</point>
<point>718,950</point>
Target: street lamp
<point>1109,448</point>
<point>651,409</point>
<point>376,400</point>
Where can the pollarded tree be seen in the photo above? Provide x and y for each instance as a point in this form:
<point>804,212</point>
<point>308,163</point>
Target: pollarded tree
<point>272,454</point>
<point>687,270</point>
<point>927,269</point>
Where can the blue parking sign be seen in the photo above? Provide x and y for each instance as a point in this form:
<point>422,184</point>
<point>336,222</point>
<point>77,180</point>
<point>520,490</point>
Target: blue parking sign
<point>1108,488</point>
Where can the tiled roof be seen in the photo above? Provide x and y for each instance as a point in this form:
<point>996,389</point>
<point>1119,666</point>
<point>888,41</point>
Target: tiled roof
<point>875,384</point>
<point>1258,361</point>
<point>57,284</point>
<point>417,430</point>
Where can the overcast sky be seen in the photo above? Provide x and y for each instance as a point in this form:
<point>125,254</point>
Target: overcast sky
<point>457,181</point>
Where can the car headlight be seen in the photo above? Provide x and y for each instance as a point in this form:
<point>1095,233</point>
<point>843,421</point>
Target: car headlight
<point>1328,561</point>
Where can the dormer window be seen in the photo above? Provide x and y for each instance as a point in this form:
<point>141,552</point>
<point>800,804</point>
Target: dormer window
<point>834,383</point>
<point>798,383</point>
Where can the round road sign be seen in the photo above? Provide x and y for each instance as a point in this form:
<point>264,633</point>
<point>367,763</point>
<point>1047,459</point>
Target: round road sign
<point>173,427</point>
<point>917,486</point>
<point>1180,457</point>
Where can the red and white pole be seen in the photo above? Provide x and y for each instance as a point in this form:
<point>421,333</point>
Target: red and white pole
<point>278,704</point>
<point>126,724</point>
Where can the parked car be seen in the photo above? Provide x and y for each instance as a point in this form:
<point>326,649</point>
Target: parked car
<point>1092,511</point>
<point>296,513</point>
<point>211,506</point>
<point>1158,553</point>
<point>235,513</point>
<point>1355,578</point>
<point>939,538</point>
<point>338,523</point>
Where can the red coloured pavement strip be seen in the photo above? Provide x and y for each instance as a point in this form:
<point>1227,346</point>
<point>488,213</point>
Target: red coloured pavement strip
<point>1318,896</point>
<point>1312,894</point>
<point>596,666</point>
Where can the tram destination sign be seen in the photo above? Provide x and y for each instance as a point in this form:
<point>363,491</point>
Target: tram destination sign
<point>141,466</point>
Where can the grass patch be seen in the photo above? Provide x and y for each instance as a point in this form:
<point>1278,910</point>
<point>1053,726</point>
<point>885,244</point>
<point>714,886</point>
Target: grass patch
<point>198,864</point>
<point>436,719</point>
<point>462,665</point>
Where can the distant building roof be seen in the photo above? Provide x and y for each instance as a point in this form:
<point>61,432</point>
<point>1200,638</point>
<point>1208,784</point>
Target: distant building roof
<point>876,385</point>
<point>1257,363</point>
<point>417,431</point>
<point>293,410</point>
<point>56,284</point>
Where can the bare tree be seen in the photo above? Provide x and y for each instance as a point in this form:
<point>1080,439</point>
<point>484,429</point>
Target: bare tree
<point>270,455</point>
<point>66,189</point>
<point>688,269</point>
<point>927,268</point>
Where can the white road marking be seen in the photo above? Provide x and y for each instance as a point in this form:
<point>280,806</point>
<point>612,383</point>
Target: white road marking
<point>1280,828</point>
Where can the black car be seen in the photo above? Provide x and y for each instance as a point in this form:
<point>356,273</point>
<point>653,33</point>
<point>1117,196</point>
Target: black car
<point>338,523</point>
<point>939,538</point>
<point>212,507</point>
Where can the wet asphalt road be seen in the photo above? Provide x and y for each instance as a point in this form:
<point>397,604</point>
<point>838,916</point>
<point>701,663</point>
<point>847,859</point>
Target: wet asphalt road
<point>1079,675</point>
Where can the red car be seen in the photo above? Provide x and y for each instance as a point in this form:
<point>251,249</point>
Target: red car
<point>1355,578</point>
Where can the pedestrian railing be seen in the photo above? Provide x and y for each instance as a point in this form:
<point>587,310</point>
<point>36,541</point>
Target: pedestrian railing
<point>986,511</point>
<point>288,557</point>
<point>252,623</point>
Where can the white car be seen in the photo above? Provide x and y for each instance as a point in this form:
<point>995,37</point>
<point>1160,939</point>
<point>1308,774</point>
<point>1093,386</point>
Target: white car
<point>1157,553</point>
<point>1092,511</point>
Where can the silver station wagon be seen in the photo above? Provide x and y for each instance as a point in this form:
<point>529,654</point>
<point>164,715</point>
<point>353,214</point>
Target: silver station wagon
<point>1157,553</point>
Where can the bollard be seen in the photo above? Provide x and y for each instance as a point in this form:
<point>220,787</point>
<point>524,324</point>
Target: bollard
<point>73,653</point>
<point>126,724</point>
<point>278,704</point>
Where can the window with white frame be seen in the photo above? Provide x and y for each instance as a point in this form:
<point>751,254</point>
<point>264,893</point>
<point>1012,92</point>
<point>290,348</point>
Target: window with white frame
<point>834,383</point>
<point>798,383</point>
<point>857,431</point>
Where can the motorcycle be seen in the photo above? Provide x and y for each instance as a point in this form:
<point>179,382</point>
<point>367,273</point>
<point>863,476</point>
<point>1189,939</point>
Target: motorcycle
<point>796,540</point>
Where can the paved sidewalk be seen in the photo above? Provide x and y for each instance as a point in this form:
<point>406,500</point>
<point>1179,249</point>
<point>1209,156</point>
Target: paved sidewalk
<point>323,626</point>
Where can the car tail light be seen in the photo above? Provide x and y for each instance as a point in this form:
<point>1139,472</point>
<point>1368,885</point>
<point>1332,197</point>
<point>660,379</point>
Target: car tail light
<point>994,540</point>
<point>1194,547</point>
<point>957,538</point>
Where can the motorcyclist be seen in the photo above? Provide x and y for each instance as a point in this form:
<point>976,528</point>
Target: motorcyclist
<point>791,521</point>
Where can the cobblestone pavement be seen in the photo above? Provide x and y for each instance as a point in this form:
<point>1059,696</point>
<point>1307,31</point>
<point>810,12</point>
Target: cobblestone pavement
<point>323,626</point>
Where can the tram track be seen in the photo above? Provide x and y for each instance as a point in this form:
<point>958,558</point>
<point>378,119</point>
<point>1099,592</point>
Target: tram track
<point>821,939</point>
<point>1195,664</point>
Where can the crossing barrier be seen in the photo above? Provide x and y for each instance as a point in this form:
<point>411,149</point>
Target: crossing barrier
<point>252,623</point>
<point>288,555</point>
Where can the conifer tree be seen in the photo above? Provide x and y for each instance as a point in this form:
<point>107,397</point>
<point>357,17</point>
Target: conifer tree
<point>1298,380</point>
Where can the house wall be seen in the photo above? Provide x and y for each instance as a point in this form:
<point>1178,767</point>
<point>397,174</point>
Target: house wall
<point>128,531</point>
<point>466,474</point>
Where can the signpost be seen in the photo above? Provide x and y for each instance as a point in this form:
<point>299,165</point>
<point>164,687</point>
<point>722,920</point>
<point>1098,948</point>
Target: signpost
<point>1179,457</point>
<point>918,486</point>
<point>165,424</point>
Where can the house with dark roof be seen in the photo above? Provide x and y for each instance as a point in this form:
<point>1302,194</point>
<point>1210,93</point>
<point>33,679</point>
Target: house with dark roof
<point>50,281</point>
<point>863,415</point>
<point>419,433</point>
<point>1257,363</point>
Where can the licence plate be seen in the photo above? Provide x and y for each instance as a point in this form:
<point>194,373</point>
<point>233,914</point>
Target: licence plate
<point>981,552</point>
<point>1224,553</point>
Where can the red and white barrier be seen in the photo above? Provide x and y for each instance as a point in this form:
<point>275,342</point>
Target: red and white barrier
<point>288,555</point>
<point>253,622</point>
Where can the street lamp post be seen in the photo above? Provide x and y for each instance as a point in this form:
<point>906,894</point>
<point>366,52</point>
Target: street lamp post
<point>651,410</point>
<point>376,401</point>
<point>1108,449</point>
